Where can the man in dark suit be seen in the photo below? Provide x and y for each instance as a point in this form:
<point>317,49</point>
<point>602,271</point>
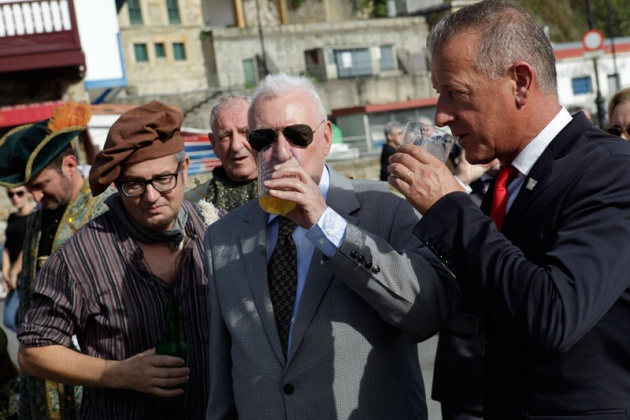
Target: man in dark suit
<point>551,280</point>
<point>457,373</point>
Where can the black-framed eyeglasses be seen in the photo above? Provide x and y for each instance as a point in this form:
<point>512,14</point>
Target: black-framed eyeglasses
<point>616,130</point>
<point>10,194</point>
<point>163,183</point>
<point>299,135</point>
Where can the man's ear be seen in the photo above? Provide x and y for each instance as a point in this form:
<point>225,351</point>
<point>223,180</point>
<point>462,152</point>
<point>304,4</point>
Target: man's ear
<point>185,165</point>
<point>328,136</point>
<point>70,164</point>
<point>523,76</point>
<point>211,138</point>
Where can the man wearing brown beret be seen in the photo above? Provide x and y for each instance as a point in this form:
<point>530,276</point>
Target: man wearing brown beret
<point>41,157</point>
<point>111,283</point>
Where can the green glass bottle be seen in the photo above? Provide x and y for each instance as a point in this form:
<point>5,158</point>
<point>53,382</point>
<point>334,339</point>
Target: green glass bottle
<point>174,345</point>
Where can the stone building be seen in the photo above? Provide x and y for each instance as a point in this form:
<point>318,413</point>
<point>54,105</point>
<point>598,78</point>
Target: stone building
<point>230,44</point>
<point>161,46</point>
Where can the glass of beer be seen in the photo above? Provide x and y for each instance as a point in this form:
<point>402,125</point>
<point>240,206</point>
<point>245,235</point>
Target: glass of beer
<point>430,137</point>
<point>266,162</point>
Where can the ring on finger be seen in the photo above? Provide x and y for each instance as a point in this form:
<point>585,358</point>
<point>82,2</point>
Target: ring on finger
<point>408,177</point>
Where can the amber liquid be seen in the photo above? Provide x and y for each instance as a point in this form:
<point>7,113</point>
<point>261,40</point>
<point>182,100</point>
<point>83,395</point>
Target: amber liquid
<point>275,205</point>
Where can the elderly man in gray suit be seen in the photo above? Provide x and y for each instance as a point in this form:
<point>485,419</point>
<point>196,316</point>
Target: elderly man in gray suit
<point>327,329</point>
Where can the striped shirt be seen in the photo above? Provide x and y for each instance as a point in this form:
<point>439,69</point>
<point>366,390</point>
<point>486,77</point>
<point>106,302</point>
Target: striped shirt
<point>98,287</point>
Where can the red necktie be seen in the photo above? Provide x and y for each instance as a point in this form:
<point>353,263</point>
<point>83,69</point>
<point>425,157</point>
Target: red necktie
<point>500,198</point>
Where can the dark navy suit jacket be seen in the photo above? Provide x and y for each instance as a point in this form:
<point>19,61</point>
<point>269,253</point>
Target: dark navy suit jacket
<point>553,287</point>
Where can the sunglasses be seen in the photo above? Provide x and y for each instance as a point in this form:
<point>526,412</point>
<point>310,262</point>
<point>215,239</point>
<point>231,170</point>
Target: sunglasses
<point>18,193</point>
<point>299,135</point>
<point>615,130</point>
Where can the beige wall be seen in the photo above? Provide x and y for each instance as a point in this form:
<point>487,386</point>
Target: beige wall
<point>215,55</point>
<point>160,75</point>
<point>312,11</point>
<point>285,45</point>
<point>215,67</point>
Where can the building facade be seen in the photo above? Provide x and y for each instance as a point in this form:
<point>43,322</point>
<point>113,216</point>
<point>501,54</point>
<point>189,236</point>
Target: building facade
<point>161,46</point>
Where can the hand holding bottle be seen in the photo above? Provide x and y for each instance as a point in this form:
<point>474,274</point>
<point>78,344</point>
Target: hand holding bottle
<point>149,373</point>
<point>174,345</point>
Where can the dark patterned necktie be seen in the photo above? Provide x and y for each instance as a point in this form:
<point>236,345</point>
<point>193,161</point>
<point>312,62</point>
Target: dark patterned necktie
<point>282,275</point>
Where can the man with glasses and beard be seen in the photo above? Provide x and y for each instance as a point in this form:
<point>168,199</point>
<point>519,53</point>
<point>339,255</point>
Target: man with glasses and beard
<point>111,283</point>
<point>41,157</point>
<point>317,314</point>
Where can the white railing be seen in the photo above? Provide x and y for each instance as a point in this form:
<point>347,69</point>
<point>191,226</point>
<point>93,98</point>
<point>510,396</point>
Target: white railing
<point>34,17</point>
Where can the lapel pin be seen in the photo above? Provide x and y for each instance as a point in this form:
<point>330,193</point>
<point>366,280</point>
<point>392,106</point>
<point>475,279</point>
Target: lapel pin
<point>531,183</point>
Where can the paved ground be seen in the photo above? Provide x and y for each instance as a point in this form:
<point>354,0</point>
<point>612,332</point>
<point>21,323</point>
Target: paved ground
<point>426,349</point>
<point>427,357</point>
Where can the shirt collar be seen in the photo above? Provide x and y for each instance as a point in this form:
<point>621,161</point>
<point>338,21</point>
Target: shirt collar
<point>530,154</point>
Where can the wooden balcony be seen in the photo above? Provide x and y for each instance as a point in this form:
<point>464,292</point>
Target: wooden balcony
<point>39,35</point>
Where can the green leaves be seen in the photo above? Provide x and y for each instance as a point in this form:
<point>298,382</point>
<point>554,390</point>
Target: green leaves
<point>568,19</point>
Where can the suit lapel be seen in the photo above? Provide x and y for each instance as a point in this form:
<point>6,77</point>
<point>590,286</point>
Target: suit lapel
<point>342,199</point>
<point>537,179</point>
<point>535,182</point>
<point>253,252</point>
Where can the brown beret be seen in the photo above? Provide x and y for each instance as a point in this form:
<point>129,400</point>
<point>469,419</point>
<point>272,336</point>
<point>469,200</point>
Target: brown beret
<point>146,132</point>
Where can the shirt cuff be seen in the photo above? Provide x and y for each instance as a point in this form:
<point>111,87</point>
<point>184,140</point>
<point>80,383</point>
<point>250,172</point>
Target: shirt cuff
<point>328,233</point>
<point>465,186</point>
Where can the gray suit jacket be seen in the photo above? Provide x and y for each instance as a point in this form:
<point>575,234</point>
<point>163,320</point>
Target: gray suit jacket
<point>354,345</point>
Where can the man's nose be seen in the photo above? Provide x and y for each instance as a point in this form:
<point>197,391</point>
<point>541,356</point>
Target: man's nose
<point>37,196</point>
<point>150,193</point>
<point>282,148</point>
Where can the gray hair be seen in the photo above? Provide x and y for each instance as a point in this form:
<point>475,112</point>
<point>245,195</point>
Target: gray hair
<point>507,34</point>
<point>282,84</point>
<point>180,156</point>
<point>392,126</point>
<point>226,102</point>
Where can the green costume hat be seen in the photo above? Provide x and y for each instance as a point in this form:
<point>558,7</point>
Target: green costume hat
<point>27,149</point>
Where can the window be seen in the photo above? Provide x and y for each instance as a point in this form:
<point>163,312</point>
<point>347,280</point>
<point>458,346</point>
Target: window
<point>173,12</point>
<point>179,52</point>
<point>386,60</point>
<point>249,69</point>
<point>582,85</point>
<point>140,51</point>
<point>160,52</point>
<point>135,14</point>
<point>353,62</point>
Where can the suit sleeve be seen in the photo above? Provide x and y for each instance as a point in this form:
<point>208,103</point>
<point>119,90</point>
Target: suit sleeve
<point>394,272</point>
<point>561,270</point>
<point>221,404</point>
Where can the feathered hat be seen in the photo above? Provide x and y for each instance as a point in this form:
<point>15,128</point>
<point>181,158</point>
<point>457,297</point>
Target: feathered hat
<point>27,149</point>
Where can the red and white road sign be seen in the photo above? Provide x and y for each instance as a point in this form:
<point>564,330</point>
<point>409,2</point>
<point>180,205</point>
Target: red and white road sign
<point>593,40</point>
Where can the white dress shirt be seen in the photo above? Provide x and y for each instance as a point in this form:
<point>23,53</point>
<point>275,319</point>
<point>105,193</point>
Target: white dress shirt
<point>530,154</point>
<point>326,235</point>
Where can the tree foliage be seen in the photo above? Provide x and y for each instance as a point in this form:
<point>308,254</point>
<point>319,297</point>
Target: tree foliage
<point>372,8</point>
<point>567,20</point>
<point>295,4</point>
